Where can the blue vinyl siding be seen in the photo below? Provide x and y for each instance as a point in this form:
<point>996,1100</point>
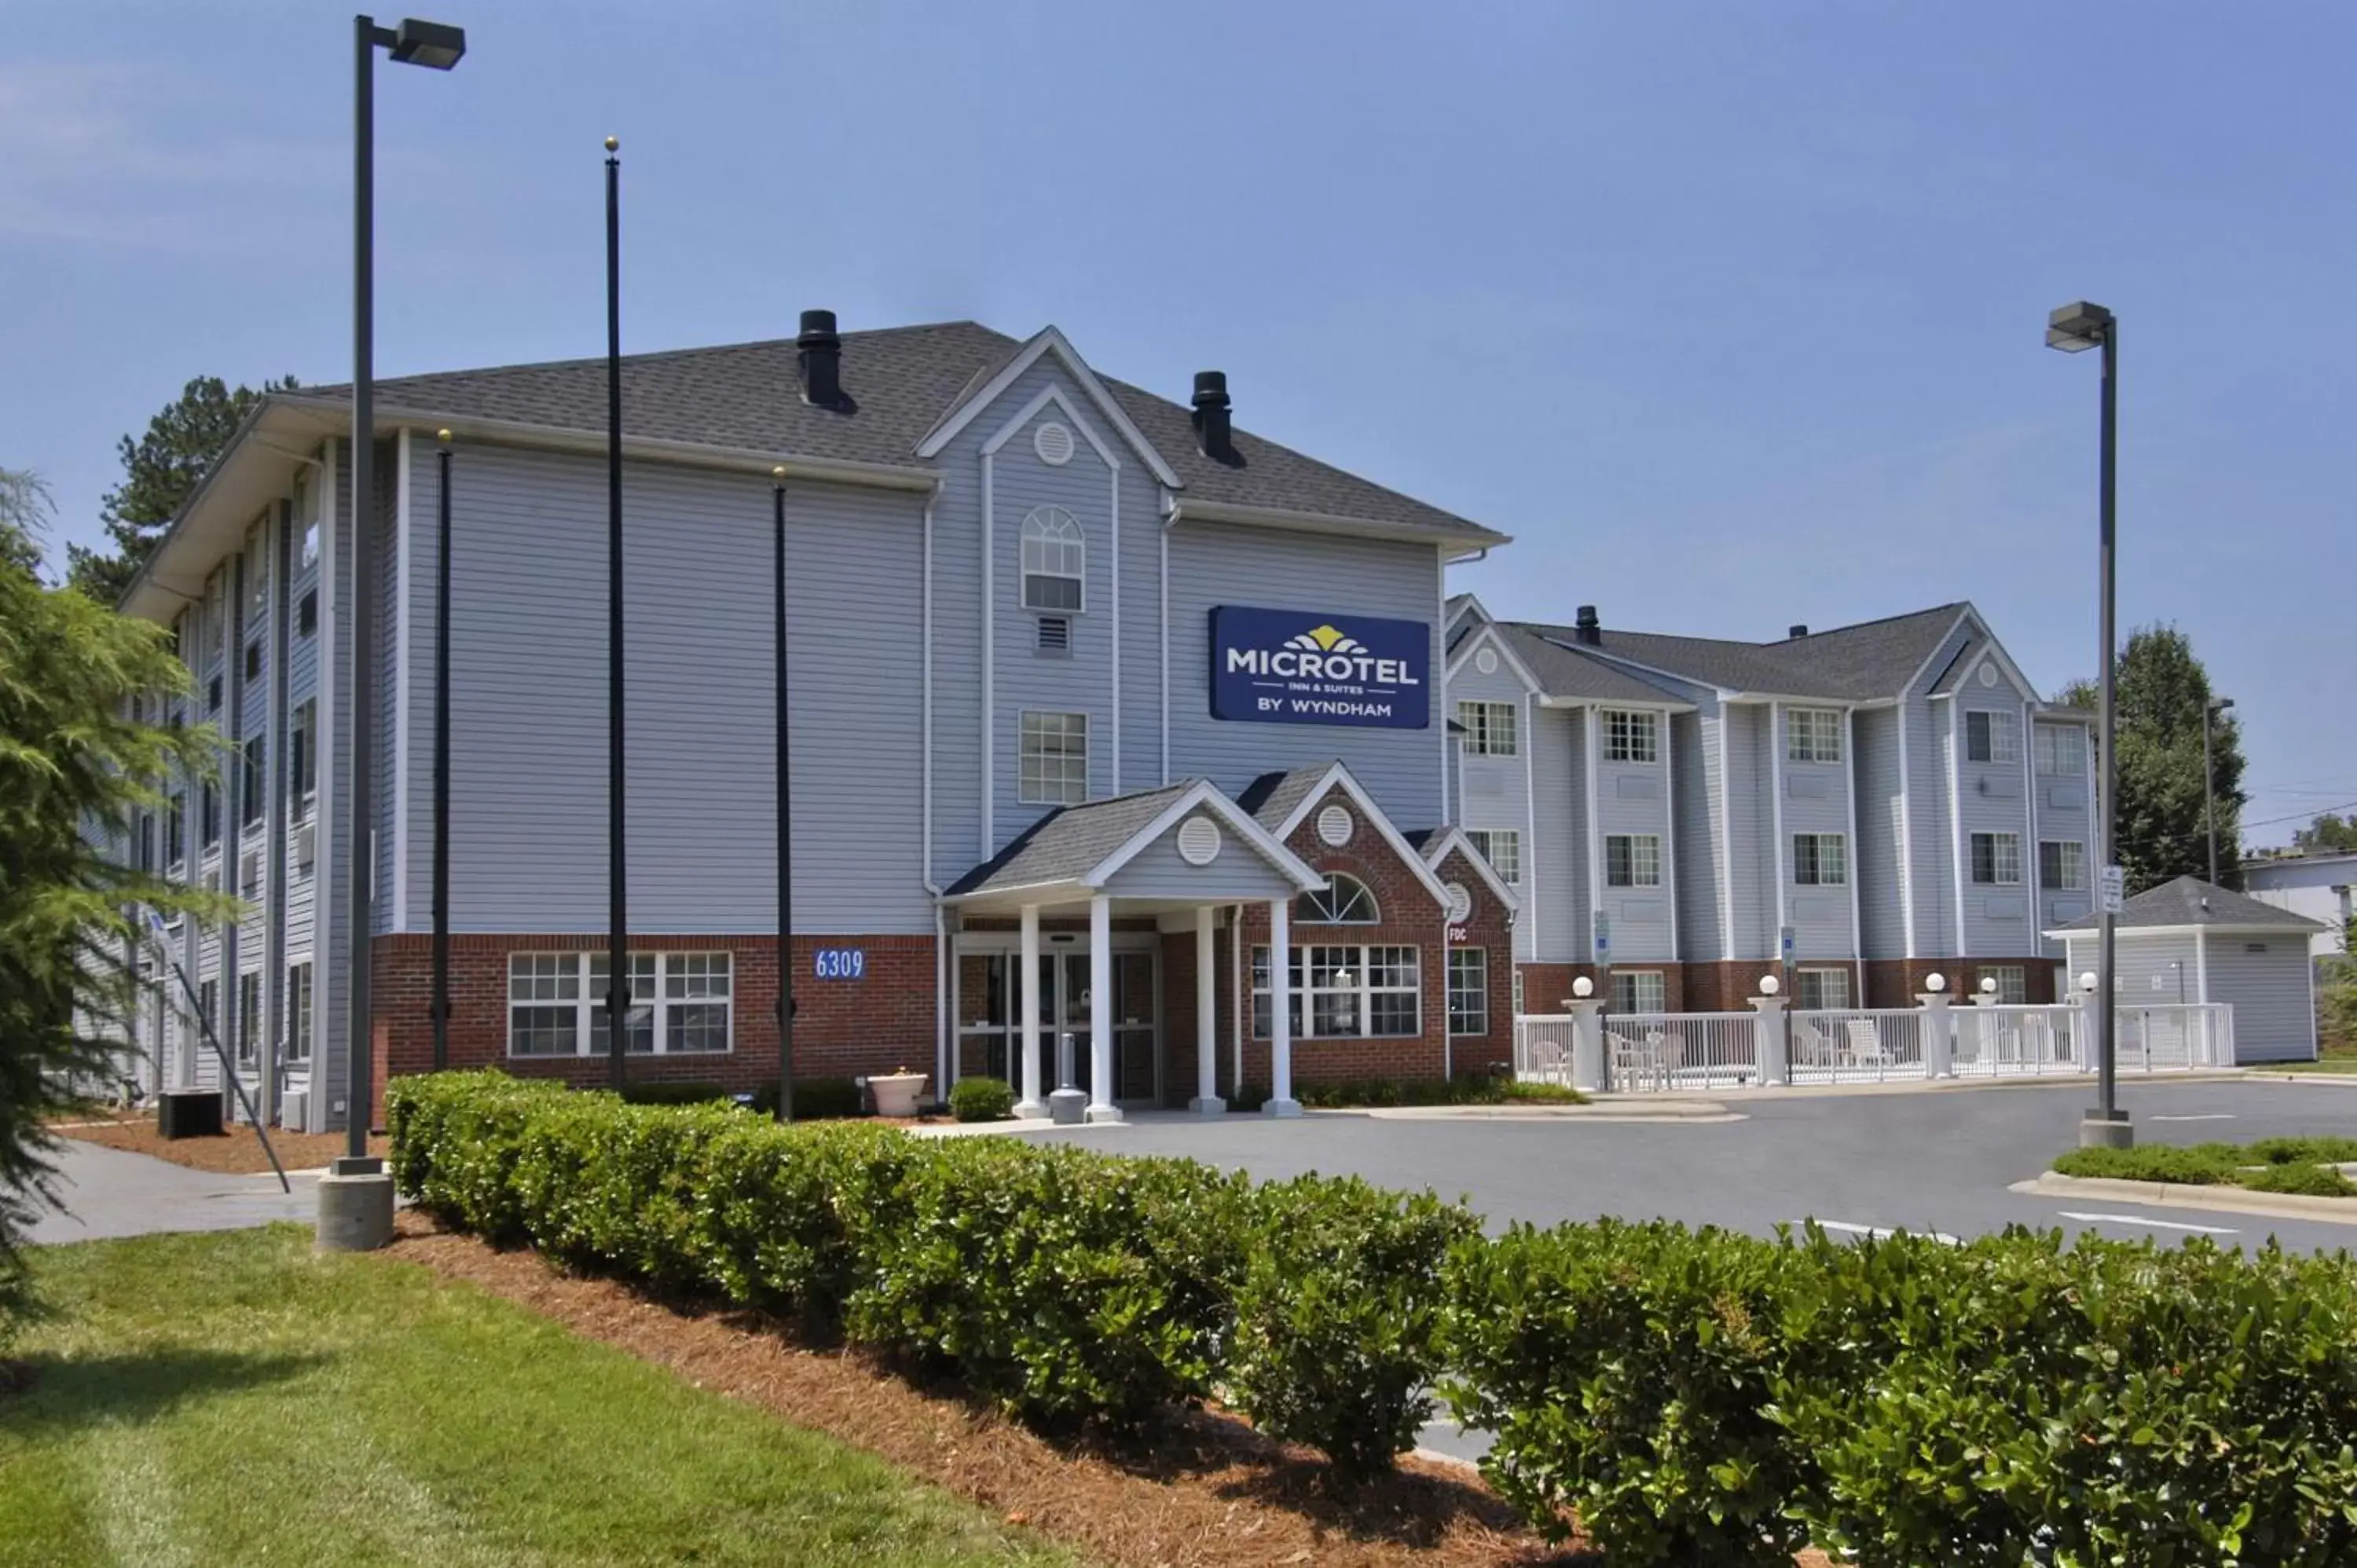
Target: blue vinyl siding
<point>1874,773</point>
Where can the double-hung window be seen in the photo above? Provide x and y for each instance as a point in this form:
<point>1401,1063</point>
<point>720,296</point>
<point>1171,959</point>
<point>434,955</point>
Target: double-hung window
<point>680,1003</point>
<point>176,830</point>
<point>1817,989</point>
<point>209,813</point>
<point>250,783</point>
<point>1631,736</point>
<point>1640,991</point>
<point>1054,766</point>
<point>1992,737</point>
<point>1812,735</point>
<point>1344,993</point>
<point>1632,860</point>
<point>1502,848</point>
<point>2062,864</point>
<point>299,1014</point>
<point>302,777</point>
<point>2012,982</point>
<point>2061,749</point>
<point>1488,728</point>
<point>1820,860</point>
<point>1469,991</point>
<point>1054,561</point>
<point>1997,859</point>
<point>249,1019</point>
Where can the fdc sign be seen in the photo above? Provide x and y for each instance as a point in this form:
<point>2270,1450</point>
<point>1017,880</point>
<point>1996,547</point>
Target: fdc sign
<point>1302,667</point>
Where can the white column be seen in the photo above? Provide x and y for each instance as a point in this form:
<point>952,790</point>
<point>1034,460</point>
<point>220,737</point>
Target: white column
<point>1207,1101</point>
<point>1588,1045</point>
<point>1280,1011</point>
<point>1027,983</point>
<point>1100,1105</point>
<point>1771,1041</point>
<point>1939,1037</point>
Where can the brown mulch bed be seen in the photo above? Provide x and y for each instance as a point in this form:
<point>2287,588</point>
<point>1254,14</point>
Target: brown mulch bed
<point>235,1153</point>
<point>1204,1490</point>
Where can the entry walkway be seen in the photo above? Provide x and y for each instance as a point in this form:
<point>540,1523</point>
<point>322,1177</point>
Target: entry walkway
<point>109,1193</point>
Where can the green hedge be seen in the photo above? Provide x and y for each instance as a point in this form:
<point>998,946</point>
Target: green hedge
<point>1355,1093</point>
<point>2271,1165</point>
<point>982,1100</point>
<point>1693,1396</point>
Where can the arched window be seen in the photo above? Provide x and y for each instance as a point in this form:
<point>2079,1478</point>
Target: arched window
<point>1053,556</point>
<point>1343,901</point>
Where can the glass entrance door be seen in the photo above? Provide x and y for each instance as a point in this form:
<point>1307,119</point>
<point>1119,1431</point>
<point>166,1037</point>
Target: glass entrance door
<point>990,1026</point>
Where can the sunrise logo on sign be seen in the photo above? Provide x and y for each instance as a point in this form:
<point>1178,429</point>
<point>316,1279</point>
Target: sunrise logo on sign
<point>1269,667</point>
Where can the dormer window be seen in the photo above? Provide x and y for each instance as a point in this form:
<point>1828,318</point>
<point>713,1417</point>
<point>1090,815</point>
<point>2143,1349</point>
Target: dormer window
<point>1053,559</point>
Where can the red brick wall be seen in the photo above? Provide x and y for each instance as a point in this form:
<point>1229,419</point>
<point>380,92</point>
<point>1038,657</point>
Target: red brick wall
<point>1896,982</point>
<point>1546,986</point>
<point>1485,927</point>
<point>843,1028</point>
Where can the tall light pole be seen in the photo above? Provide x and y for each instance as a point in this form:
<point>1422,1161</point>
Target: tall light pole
<point>617,902</point>
<point>438,47</point>
<point>2210,712</point>
<point>356,1199</point>
<point>785,813</point>
<point>2074,328</point>
<point>442,754</point>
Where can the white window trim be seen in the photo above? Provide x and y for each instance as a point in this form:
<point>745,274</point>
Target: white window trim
<point>1485,845</point>
<point>1303,994</point>
<point>1481,992</point>
<point>1483,722</point>
<point>1823,744</point>
<point>2068,883</point>
<point>2047,741</point>
<point>1997,859</point>
<point>1638,981</point>
<point>589,1002</point>
<point>1818,841</point>
<point>1650,845</point>
<point>1330,896</point>
<point>2004,737</point>
<point>1045,528</point>
<point>2012,982</point>
<point>1634,720</point>
<point>1030,792</point>
<point>1822,974</point>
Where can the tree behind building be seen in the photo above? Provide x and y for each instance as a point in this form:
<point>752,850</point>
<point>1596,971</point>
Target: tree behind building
<point>2161,689</point>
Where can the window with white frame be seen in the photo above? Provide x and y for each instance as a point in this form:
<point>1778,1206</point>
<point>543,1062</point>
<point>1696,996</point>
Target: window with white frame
<point>249,1019</point>
<point>302,760</point>
<point>2061,749</point>
<point>1820,988</point>
<point>1489,728</point>
<point>1820,860</point>
<point>1343,901</point>
<point>1632,736</point>
<point>1502,848</point>
<point>1997,859</point>
<point>1054,561</point>
<point>1469,991</point>
<point>2012,982</point>
<point>1992,737</point>
<point>1054,759</point>
<point>1632,860</point>
<point>2061,865</point>
<point>1640,991</point>
<point>1812,735</point>
<point>1344,993</point>
<point>680,1003</point>
<point>299,1014</point>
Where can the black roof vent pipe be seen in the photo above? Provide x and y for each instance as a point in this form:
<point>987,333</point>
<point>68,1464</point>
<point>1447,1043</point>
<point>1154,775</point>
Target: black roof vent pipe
<point>1796,631</point>
<point>820,356</point>
<point>1211,429</point>
<point>1588,631</point>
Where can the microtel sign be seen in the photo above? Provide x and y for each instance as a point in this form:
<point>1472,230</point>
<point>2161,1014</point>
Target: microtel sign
<point>1301,667</point>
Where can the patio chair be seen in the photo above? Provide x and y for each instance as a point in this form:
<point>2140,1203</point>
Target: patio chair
<point>1865,1048</point>
<point>1547,1063</point>
<point>1634,1065</point>
<point>1811,1049</point>
<point>1669,1053</point>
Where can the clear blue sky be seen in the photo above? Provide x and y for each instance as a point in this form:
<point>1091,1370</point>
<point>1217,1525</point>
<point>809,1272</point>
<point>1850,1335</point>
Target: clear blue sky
<point>1730,313</point>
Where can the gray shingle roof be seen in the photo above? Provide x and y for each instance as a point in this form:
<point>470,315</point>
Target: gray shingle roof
<point>1272,797</point>
<point>1568,673</point>
<point>902,380</point>
<point>2190,901</point>
<point>1872,658</point>
<point>1071,842</point>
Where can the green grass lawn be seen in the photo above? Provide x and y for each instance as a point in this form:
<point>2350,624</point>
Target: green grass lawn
<point>231,1399</point>
<point>2339,1065</point>
<point>2298,1165</point>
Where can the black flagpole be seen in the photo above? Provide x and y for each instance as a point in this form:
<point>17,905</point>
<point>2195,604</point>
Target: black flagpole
<point>617,967</point>
<point>785,822</point>
<point>442,765</point>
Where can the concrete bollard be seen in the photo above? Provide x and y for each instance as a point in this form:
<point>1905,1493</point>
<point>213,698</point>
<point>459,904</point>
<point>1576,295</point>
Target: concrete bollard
<point>1771,1042</point>
<point>1938,1042</point>
<point>355,1206</point>
<point>1587,1045</point>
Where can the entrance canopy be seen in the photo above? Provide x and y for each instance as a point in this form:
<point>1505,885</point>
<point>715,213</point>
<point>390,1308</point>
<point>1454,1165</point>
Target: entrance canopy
<point>1179,847</point>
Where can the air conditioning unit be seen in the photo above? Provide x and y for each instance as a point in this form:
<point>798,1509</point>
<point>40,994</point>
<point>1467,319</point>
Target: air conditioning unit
<point>307,844</point>
<point>295,1109</point>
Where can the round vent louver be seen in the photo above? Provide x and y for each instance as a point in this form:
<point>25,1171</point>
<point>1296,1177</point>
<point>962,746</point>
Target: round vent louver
<point>1988,674</point>
<point>1460,902</point>
<point>1335,826</point>
<point>1053,442</point>
<point>1199,840</point>
<point>1486,661</point>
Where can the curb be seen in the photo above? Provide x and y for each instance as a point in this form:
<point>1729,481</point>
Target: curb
<point>1697,1112</point>
<point>2173,1194</point>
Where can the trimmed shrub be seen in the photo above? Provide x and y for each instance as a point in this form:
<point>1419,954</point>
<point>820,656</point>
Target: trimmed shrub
<point>2197,1165</point>
<point>2306,1181</point>
<point>455,1137</point>
<point>815,1099</point>
<point>982,1100</point>
<point>1336,1316</point>
<point>674,1093</point>
<point>2271,1165</point>
<point>1066,1284</point>
<point>1625,1371</point>
<point>785,1216</point>
<point>1471,1089</point>
<point>2317,1151</point>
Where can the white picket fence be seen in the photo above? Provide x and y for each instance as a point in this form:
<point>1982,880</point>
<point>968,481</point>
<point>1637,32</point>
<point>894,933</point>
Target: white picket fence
<point>1666,1051</point>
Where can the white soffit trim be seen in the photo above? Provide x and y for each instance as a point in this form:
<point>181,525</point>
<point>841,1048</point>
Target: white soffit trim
<point>1322,523</point>
<point>1338,775</point>
<point>1488,637</point>
<point>1048,340</point>
<point>1454,839</point>
<point>1204,796</point>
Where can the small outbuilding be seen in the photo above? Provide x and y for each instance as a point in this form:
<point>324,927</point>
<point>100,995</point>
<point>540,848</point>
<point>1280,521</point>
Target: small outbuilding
<point>2192,942</point>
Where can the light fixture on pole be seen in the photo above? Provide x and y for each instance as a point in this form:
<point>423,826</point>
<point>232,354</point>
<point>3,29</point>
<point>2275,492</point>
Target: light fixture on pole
<point>618,903</point>
<point>2209,713</point>
<point>349,1215</point>
<point>2074,328</point>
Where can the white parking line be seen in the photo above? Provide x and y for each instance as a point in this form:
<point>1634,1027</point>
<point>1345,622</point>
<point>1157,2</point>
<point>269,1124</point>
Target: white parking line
<point>1879,1232</point>
<point>2206,1116</point>
<point>2140,1220</point>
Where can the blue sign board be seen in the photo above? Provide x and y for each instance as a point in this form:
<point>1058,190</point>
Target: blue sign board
<point>840,963</point>
<point>1308,667</point>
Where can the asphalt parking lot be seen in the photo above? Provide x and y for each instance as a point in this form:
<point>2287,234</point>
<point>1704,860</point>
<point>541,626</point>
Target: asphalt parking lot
<point>1926,1161</point>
